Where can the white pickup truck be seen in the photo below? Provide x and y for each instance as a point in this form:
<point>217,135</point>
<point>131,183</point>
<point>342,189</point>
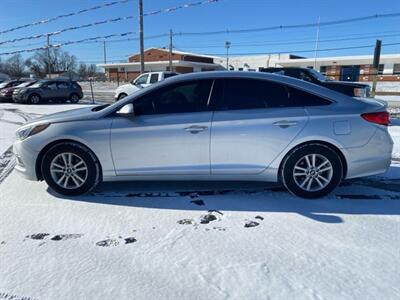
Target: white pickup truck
<point>140,82</point>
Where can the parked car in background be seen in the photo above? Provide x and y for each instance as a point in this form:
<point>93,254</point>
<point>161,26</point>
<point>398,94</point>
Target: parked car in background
<point>140,82</point>
<point>9,84</point>
<point>212,126</point>
<point>7,93</point>
<point>45,90</point>
<point>351,89</point>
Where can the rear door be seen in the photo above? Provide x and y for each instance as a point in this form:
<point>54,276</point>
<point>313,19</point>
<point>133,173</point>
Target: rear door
<point>63,90</point>
<point>252,124</point>
<point>50,91</point>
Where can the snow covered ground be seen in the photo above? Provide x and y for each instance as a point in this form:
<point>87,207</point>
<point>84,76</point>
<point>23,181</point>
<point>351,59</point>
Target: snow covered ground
<point>155,240</point>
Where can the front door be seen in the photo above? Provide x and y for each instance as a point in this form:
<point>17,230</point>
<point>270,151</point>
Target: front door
<point>169,134</point>
<point>252,125</point>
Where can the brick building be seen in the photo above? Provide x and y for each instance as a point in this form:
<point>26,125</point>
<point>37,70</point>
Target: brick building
<point>351,68</point>
<point>157,59</point>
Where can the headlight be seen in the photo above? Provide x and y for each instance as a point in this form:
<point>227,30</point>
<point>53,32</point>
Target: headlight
<point>27,131</point>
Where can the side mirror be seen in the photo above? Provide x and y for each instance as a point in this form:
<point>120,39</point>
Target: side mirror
<point>126,110</point>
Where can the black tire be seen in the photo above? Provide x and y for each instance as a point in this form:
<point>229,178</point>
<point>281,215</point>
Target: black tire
<point>121,96</point>
<point>293,181</point>
<point>74,98</point>
<point>93,168</point>
<point>34,99</point>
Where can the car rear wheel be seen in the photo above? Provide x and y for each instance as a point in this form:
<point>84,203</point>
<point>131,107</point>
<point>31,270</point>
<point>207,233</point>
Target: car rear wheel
<point>34,99</point>
<point>74,98</point>
<point>312,171</point>
<point>70,169</point>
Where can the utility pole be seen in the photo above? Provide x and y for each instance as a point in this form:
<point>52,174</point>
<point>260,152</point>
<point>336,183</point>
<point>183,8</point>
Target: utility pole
<point>317,43</point>
<point>104,52</point>
<point>48,57</point>
<point>141,44</point>
<point>227,46</point>
<point>170,50</point>
<point>375,65</point>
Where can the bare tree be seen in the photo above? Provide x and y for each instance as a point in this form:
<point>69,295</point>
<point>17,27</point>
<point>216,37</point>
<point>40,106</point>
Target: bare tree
<point>15,66</point>
<point>60,61</point>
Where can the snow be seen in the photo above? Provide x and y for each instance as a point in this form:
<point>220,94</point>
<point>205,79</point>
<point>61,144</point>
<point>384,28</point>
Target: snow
<point>177,240</point>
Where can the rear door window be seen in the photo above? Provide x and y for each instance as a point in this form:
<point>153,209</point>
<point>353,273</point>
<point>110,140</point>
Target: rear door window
<point>253,94</point>
<point>238,94</point>
<point>154,78</point>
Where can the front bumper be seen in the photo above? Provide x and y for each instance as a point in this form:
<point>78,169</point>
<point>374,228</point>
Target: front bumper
<point>20,98</point>
<point>26,160</point>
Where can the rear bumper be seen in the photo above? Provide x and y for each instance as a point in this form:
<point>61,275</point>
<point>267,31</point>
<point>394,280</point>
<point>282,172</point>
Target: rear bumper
<point>371,159</point>
<point>26,160</point>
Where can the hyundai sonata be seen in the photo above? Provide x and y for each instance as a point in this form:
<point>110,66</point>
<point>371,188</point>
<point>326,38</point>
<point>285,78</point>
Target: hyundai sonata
<point>212,126</point>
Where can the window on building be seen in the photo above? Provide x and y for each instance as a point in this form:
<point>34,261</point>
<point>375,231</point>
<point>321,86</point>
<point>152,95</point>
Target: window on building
<point>380,69</point>
<point>396,69</point>
<point>322,70</point>
<point>179,98</point>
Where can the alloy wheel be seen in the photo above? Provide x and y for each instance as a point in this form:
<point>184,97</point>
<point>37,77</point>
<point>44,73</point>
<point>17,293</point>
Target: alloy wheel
<point>68,170</point>
<point>313,172</point>
<point>35,99</point>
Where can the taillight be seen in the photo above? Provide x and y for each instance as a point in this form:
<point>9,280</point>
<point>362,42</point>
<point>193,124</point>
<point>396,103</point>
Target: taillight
<point>381,118</point>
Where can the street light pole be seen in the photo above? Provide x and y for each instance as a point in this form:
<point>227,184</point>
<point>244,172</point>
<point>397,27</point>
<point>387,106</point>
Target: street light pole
<point>48,57</point>
<point>170,50</point>
<point>141,43</point>
<point>104,52</point>
<point>227,46</point>
<point>317,43</point>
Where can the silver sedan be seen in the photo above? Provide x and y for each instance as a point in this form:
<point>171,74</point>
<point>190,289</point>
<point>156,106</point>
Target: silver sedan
<point>212,126</point>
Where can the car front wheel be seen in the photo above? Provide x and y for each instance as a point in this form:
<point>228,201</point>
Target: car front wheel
<point>34,99</point>
<point>312,171</point>
<point>70,169</point>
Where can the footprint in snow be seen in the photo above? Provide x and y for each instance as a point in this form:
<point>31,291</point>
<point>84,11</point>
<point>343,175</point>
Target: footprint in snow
<point>37,236</point>
<point>249,224</point>
<point>63,237</point>
<point>107,243</point>
<point>115,242</point>
<point>186,222</point>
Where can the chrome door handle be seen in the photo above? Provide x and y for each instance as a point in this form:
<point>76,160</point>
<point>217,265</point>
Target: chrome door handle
<point>196,129</point>
<point>284,123</point>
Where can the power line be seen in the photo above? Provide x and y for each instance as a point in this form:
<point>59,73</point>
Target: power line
<point>302,51</point>
<point>45,21</point>
<point>296,26</point>
<point>255,44</point>
<point>152,13</point>
<point>69,43</point>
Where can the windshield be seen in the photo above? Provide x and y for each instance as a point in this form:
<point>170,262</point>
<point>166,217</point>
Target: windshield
<point>4,84</point>
<point>24,84</point>
<point>317,75</point>
<point>38,84</point>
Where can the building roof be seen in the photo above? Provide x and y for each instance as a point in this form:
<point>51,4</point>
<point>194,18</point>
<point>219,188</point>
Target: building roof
<point>174,51</point>
<point>155,64</point>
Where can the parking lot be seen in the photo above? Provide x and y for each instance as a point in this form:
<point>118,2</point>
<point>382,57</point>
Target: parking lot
<point>212,240</point>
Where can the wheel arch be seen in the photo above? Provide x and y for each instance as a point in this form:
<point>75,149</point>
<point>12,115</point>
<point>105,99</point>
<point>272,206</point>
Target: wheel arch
<point>320,142</point>
<point>122,93</point>
<point>39,160</point>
